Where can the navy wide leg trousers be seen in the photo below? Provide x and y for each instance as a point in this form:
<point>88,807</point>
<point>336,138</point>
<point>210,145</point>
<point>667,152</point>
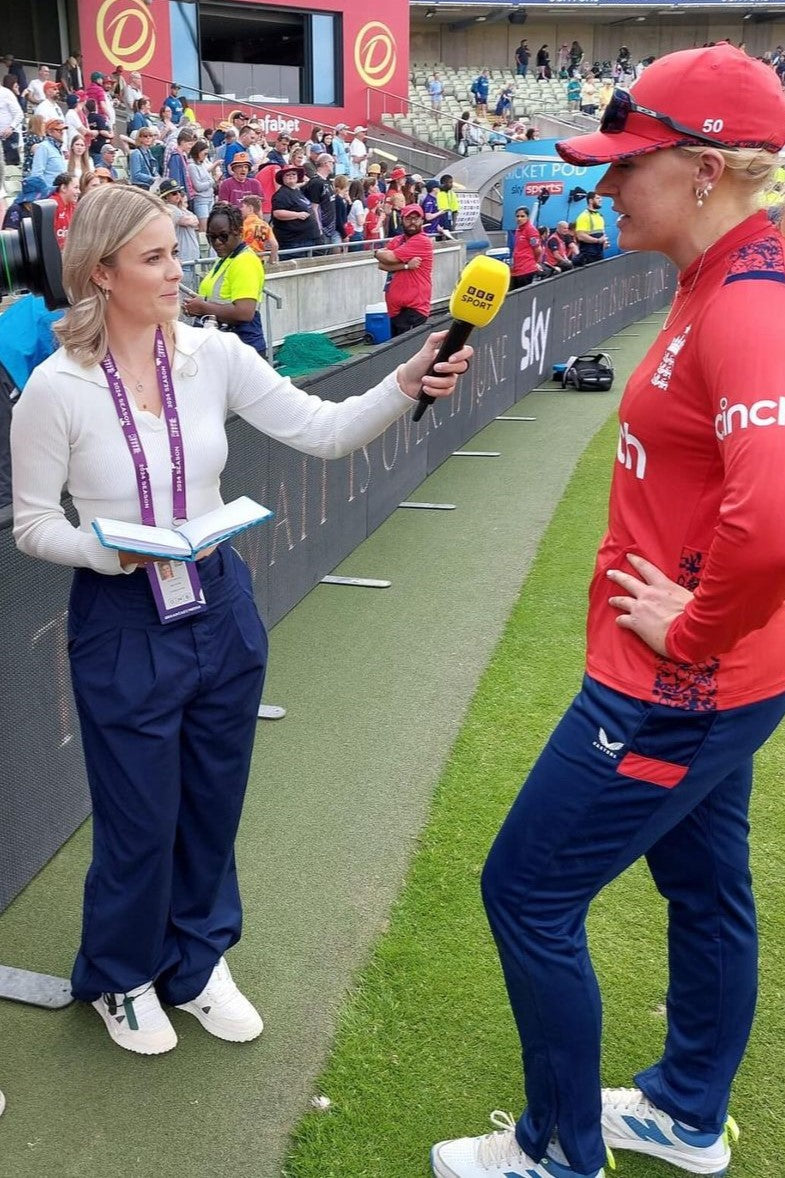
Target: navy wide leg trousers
<point>168,716</point>
<point>621,778</point>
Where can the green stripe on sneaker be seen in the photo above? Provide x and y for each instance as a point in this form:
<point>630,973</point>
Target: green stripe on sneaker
<point>130,1014</point>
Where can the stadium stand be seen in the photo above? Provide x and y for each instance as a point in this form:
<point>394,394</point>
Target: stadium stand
<point>530,97</point>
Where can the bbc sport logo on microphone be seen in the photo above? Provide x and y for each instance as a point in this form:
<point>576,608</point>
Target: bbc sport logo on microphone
<point>475,297</point>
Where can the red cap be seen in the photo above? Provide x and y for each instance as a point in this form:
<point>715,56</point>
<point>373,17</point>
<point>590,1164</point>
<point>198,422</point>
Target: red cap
<point>373,199</point>
<point>411,209</point>
<point>719,92</point>
<point>398,173</point>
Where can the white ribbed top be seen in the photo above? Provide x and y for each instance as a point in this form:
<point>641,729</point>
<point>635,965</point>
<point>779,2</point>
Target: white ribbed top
<point>65,434</point>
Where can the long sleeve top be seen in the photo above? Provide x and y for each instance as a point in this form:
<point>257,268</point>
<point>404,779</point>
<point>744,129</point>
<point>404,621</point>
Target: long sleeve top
<point>48,162</point>
<point>142,168</point>
<point>201,179</point>
<point>11,114</point>
<point>65,435</point>
<point>699,483</point>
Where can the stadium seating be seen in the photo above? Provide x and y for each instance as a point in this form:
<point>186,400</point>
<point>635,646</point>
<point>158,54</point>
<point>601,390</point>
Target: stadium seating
<point>530,98</point>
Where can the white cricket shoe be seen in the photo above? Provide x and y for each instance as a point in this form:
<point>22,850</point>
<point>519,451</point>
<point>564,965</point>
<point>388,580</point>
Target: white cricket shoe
<point>631,1121</point>
<point>223,1010</point>
<point>498,1155</point>
<point>136,1021</point>
<point>2,1103</point>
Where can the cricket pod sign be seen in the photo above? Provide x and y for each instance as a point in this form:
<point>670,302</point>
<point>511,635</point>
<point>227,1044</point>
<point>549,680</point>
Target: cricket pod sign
<point>125,31</point>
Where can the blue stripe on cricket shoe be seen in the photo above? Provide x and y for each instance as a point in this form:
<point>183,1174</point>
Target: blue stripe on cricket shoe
<point>694,1137</point>
<point>647,1130</point>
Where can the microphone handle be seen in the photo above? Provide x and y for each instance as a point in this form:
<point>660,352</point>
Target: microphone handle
<point>456,337</point>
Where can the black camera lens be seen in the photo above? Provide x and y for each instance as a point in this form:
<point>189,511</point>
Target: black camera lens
<point>30,257</point>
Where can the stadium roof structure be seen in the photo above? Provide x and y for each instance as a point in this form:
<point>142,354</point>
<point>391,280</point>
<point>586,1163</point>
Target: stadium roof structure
<point>604,11</point>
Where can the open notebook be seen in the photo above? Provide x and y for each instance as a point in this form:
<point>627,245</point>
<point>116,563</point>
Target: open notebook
<point>186,541</point>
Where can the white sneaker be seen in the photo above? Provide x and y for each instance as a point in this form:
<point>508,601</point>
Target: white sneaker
<point>136,1021</point>
<point>631,1121</point>
<point>495,1154</point>
<point>223,1010</point>
<point>2,1103</point>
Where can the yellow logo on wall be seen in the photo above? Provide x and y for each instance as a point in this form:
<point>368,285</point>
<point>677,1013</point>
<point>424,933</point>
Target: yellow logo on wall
<point>126,33</point>
<point>375,53</point>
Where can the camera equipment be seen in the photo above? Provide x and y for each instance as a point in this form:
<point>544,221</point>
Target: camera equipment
<point>30,256</point>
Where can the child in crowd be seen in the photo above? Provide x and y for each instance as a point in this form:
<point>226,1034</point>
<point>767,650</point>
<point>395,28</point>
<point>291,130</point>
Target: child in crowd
<point>373,229</point>
<point>256,232</point>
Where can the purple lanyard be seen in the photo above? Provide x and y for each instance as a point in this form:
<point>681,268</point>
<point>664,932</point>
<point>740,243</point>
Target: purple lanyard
<point>131,434</point>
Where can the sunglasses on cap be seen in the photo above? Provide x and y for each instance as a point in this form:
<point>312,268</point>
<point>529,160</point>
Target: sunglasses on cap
<point>621,105</point>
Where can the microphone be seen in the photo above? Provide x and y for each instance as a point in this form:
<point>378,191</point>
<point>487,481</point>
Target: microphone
<point>478,295</point>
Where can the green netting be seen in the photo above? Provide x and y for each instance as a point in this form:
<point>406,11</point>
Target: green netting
<point>305,351</point>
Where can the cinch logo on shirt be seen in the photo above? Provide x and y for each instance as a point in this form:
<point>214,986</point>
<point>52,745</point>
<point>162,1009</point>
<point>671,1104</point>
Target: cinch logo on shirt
<point>629,445</point>
<point>534,337</point>
<point>731,417</point>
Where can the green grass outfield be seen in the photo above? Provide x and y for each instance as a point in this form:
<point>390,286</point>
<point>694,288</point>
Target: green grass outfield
<point>426,1046</point>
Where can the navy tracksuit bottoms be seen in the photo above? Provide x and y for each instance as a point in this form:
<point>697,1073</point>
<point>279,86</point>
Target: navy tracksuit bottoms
<point>168,716</point>
<point>620,778</point>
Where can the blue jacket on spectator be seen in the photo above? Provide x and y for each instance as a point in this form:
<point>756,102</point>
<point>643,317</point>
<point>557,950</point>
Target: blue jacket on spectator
<point>142,168</point>
<point>480,87</point>
<point>176,169</point>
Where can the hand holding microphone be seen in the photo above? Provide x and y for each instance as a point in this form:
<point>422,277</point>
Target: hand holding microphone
<point>478,295</point>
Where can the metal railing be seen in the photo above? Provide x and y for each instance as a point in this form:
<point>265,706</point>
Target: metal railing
<point>224,105</point>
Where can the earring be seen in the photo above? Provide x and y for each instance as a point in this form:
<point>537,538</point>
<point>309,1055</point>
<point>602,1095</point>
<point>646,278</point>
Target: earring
<point>702,193</point>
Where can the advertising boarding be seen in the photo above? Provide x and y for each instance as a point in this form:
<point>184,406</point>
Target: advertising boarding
<point>551,189</point>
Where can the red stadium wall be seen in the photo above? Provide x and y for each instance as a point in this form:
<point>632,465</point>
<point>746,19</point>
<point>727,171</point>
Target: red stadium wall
<point>136,35</point>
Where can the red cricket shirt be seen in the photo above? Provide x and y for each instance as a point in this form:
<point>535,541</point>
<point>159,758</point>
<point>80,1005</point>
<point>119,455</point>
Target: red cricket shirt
<point>411,288</point>
<point>699,486</point>
<point>63,217</point>
<point>524,246</point>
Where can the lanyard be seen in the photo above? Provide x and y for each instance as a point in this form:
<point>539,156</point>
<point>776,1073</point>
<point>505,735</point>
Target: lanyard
<point>131,434</point>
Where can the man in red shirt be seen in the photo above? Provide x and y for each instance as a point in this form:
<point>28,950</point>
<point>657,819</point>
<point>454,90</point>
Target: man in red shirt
<point>239,183</point>
<point>409,262</point>
<point>65,194</point>
<point>526,251</point>
<point>555,253</point>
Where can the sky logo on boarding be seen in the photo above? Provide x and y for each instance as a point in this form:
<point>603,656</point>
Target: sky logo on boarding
<point>534,338</point>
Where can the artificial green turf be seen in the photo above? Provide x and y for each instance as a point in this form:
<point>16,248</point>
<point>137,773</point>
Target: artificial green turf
<point>426,1045</point>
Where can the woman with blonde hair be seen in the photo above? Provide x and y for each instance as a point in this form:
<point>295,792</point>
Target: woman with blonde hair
<point>79,162</point>
<point>129,417</point>
<point>685,667</point>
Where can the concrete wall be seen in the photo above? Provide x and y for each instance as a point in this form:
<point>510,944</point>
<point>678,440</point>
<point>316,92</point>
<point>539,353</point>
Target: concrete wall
<point>323,294</point>
<point>493,44</point>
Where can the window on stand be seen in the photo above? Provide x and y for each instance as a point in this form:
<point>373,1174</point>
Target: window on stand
<point>278,56</point>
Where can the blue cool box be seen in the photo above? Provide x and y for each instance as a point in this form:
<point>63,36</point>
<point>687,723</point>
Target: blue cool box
<point>377,323</point>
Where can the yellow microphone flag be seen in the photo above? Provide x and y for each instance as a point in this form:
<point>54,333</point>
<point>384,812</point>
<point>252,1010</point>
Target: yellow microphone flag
<point>480,291</point>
